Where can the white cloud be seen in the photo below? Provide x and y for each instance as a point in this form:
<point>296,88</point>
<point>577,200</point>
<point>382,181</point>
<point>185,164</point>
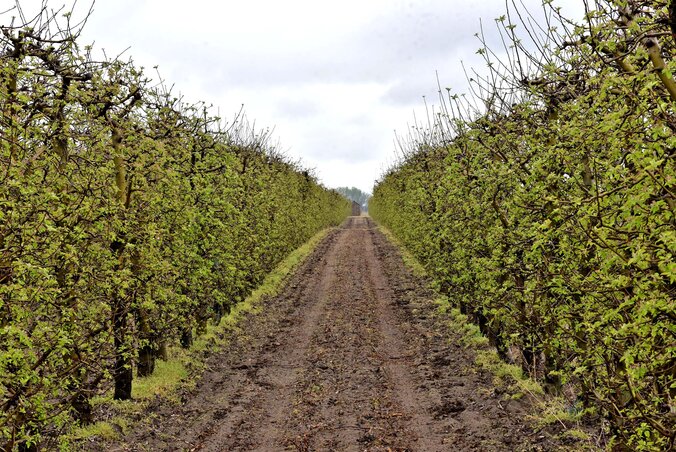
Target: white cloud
<point>333,78</point>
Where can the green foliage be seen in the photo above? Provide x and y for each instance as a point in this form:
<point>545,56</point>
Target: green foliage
<point>184,366</point>
<point>128,220</point>
<point>549,217</point>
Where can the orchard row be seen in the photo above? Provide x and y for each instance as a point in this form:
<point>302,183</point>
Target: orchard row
<point>547,213</point>
<point>128,219</point>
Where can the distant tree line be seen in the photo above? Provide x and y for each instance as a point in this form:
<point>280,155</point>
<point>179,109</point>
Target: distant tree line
<point>356,195</point>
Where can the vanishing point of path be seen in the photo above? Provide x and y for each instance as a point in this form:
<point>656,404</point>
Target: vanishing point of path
<point>349,357</point>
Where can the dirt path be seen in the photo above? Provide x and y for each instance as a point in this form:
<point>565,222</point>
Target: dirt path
<point>348,358</point>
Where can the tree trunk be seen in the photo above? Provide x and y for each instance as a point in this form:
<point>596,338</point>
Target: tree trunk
<point>201,328</point>
<point>186,338</point>
<point>122,372</point>
<point>553,383</point>
<point>146,361</point>
<point>162,351</point>
<point>146,353</point>
<point>83,409</point>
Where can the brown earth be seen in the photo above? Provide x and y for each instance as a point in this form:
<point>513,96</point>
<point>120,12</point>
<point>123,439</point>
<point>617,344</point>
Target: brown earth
<point>349,357</point>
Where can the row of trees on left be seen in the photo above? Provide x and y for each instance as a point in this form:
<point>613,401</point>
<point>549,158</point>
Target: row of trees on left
<point>128,219</point>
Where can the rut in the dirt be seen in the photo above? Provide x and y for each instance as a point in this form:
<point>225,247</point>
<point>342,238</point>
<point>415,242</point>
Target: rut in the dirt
<point>348,357</point>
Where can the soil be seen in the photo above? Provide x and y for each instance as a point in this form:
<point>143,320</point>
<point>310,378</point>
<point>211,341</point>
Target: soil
<point>349,357</point>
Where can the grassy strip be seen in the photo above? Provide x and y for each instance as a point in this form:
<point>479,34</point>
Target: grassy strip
<point>551,409</point>
<point>183,366</point>
<point>486,356</point>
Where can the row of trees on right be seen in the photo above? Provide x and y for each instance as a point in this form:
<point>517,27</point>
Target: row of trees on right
<point>545,206</point>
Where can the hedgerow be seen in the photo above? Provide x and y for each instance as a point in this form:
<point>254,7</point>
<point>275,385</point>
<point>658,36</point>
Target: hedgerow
<point>128,219</point>
<point>547,214</point>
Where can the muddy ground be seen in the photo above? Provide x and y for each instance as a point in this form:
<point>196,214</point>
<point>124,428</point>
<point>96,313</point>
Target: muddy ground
<point>349,357</point>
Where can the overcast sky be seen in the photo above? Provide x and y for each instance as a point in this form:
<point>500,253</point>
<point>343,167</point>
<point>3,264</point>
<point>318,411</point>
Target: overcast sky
<point>334,78</point>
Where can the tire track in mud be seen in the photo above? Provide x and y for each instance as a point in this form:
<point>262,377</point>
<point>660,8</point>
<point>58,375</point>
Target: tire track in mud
<point>350,396</point>
<point>274,374</point>
<point>349,357</point>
